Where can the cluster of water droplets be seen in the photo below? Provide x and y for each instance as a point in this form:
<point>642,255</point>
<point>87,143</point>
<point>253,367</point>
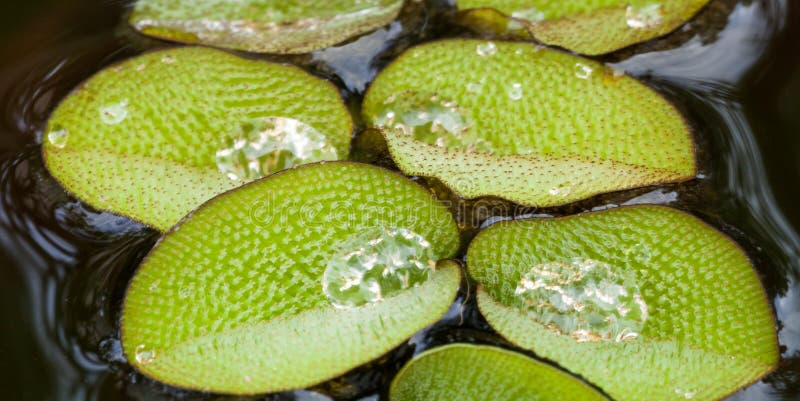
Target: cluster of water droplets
<point>377,264</point>
<point>432,120</point>
<point>646,16</point>
<point>585,299</point>
<point>271,144</point>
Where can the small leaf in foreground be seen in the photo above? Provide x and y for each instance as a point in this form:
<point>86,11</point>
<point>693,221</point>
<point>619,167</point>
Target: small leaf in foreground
<point>157,135</point>
<point>594,27</point>
<point>477,373</point>
<point>262,26</point>
<point>535,126</point>
<point>646,302</point>
<point>233,299</point>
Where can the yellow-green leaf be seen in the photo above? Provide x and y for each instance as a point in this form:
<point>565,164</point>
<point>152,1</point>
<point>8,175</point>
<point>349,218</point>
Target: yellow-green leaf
<point>157,135</point>
<point>595,26</point>
<point>465,372</point>
<point>292,280</point>
<point>535,126</point>
<point>262,26</point>
<point>646,302</point>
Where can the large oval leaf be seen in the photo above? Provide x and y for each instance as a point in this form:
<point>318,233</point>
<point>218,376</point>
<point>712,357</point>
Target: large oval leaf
<point>155,136</point>
<point>595,27</point>
<point>263,26</point>
<point>646,302</point>
<point>235,299</point>
<point>531,125</point>
<point>478,373</point>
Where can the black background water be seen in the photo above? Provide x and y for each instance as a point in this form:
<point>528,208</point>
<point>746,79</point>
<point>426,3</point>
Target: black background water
<point>734,71</point>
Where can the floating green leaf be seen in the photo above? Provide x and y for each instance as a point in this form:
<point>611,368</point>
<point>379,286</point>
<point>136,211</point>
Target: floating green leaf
<point>648,303</point>
<point>595,26</point>
<point>155,136</point>
<point>263,26</point>
<point>531,125</point>
<point>478,373</point>
<point>239,297</point>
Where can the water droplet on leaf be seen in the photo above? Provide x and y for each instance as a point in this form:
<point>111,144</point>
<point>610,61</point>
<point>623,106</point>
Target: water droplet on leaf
<point>645,16</point>
<point>58,138</point>
<point>515,91</point>
<point>583,71</point>
<point>375,265</point>
<point>486,49</point>
<point>585,299</point>
<point>114,113</point>
<point>272,144</point>
<point>144,355</point>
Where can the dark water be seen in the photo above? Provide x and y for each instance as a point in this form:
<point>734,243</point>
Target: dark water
<point>734,72</point>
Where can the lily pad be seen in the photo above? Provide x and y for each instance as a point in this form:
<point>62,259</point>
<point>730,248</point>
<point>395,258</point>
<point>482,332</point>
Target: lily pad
<point>595,27</point>
<point>477,373</point>
<point>535,126</point>
<point>262,26</point>
<point>646,302</point>
<point>291,280</point>
<point>155,136</point>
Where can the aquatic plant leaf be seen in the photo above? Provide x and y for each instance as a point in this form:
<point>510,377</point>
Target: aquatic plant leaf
<point>476,373</point>
<point>489,22</point>
<point>157,135</point>
<point>646,302</point>
<point>594,27</point>
<point>535,126</point>
<point>234,298</point>
<point>262,26</point>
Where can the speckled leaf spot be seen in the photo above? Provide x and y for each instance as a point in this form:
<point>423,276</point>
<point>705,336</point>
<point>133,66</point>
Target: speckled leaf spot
<point>594,27</point>
<point>466,372</point>
<point>155,136</point>
<point>263,26</point>
<point>290,281</point>
<point>646,302</point>
<point>535,126</point>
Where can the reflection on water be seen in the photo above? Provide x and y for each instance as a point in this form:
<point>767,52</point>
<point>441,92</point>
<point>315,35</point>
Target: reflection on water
<point>64,266</point>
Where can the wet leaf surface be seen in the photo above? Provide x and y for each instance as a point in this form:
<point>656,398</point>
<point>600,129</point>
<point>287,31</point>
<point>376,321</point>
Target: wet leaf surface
<point>492,374</point>
<point>157,135</point>
<point>646,302</point>
<point>262,26</point>
<point>245,281</point>
<point>531,125</point>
